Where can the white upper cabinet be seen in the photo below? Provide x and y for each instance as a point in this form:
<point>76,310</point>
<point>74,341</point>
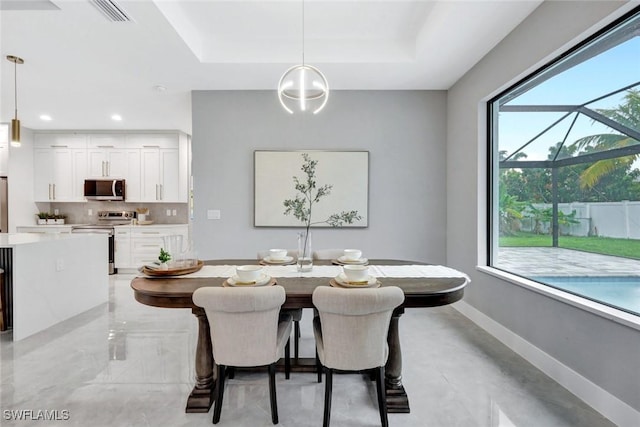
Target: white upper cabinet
<point>106,154</point>
<point>163,169</point>
<point>60,165</point>
<point>153,165</point>
<point>4,148</point>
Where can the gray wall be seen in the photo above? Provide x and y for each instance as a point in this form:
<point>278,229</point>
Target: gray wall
<point>601,350</point>
<point>404,131</point>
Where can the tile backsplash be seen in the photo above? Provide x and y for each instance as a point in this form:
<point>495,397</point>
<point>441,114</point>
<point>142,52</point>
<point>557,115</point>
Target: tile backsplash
<point>78,213</point>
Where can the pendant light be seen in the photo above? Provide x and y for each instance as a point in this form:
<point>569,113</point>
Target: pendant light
<point>303,87</point>
<point>15,123</point>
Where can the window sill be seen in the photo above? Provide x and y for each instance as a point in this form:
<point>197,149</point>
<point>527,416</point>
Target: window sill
<point>598,309</point>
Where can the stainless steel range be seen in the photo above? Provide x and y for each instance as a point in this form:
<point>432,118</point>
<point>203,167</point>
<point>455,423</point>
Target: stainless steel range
<point>105,225</point>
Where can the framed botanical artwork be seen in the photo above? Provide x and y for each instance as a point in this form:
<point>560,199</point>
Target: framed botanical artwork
<point>345,173</point>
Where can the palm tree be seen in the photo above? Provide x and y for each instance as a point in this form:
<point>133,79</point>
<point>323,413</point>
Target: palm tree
<point>628,114</point>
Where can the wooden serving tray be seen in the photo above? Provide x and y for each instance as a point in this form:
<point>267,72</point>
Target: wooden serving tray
<point>172,271</point>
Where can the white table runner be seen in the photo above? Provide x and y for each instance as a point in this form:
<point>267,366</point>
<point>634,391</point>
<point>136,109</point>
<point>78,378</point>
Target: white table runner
<point>413,270</point>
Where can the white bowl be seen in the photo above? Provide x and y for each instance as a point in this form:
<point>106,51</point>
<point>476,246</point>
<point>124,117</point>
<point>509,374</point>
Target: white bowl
<point>248,273</point>
<point>352,254</point>
<point>277,254</point>
<point>356,273</point>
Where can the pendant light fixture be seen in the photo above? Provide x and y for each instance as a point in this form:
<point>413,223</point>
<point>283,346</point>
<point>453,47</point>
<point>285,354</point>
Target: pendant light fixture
<point>303,87</point>
<point>15,123</point>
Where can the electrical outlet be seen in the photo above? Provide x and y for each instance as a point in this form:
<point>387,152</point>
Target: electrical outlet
<point>59,264</point>
<point>56,212</point>
<point>90,212</point>
<point>168,212</point>
<point>213,214</point>
<point>174,212</point>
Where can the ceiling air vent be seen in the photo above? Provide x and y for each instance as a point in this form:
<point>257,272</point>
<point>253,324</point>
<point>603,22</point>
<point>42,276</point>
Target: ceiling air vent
<point>111,10</point>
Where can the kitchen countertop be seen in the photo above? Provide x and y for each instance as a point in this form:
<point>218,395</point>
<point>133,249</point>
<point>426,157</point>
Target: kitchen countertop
<point>10,240</point>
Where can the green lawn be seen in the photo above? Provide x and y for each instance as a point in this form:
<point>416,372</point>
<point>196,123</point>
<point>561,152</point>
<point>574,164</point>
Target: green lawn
<point>628,248</point>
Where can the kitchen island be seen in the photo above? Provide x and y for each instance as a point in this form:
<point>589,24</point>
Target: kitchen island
<point>49,278</point>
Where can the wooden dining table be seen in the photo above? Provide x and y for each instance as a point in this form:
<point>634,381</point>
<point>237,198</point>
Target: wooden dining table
<point>177,291</point>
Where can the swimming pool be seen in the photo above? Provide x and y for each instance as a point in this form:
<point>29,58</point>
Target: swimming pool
<point>622,292</point>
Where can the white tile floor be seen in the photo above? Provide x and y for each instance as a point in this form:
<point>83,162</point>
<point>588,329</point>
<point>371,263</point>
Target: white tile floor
<point>126,364</point>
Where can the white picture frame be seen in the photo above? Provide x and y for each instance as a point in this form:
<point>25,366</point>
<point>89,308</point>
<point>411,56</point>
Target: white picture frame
<point>346,171</point>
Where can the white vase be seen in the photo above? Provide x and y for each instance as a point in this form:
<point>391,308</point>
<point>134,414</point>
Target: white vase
<point>305,255</point>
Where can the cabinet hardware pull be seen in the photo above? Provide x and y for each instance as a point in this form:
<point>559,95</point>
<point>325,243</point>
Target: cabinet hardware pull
<point>49,191</point>
<point>161,192</point>
<point>54,191</point>
<point>108,168</point>
<point>59,146</point>
<point>105,146</point>
<point>150,146</point>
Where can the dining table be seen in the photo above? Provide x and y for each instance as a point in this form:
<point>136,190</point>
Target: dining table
<point>424,285</point>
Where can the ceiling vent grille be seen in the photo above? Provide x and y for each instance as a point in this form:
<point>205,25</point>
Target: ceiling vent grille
<point>111,10</point>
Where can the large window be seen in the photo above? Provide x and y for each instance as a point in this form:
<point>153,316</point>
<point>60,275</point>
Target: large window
<point>565,171</point>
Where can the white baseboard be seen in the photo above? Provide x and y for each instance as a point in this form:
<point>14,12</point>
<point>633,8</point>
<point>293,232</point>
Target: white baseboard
<point>599,399</point>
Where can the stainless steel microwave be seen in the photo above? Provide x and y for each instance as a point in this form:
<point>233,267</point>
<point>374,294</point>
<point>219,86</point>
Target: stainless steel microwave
<point>104,189</point>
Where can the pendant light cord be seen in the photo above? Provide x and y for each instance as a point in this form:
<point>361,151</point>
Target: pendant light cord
<point>15,87</point>
<point>302,32</point>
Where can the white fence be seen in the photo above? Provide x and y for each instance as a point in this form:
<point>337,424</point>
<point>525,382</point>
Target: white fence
<point>606,219</point>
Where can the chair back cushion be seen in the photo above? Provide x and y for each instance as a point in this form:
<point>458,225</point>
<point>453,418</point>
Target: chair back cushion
<point>328,253</point>
<point>243,323</point>
<point>354,324</point>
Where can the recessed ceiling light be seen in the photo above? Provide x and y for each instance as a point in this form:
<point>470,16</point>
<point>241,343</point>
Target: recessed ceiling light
<point>45,117</point>
<point>159,88</point>
<point>116,117</point>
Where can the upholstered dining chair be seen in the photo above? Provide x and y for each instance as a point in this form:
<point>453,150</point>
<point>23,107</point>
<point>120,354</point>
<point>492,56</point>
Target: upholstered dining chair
<point>246,330</point>
<point>351,335</point>
<point>295,313</point>
<point>328,253</point>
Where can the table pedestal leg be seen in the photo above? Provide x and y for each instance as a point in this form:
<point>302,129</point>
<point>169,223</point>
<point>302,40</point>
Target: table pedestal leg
<point>397,400</point>
<point>201,398</point>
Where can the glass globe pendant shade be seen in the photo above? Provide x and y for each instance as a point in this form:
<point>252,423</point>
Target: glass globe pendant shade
<point>303,88</point>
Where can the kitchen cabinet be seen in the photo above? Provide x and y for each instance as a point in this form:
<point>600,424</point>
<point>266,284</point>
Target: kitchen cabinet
<point>60,166</point>
<point>106,155</point>
<point>140,245</point>
<point>154,165</point>
<point>163,171</point>
<point>4,149</point>
<point>122,248</point>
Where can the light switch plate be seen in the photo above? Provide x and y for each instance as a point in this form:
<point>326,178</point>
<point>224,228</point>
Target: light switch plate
<point>213,214</point>
<point>168,212</point>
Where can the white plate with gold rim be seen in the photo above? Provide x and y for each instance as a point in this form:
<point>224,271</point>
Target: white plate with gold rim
<point>284,260</point>
<point>371,282</point>
<point>263,280</point>
<point>359,261</point>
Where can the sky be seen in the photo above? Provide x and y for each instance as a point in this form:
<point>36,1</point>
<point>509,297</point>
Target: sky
<point>600,75</point>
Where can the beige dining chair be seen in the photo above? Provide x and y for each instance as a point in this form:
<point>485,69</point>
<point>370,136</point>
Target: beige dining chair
<point>247,330</point>
<point>328,254</point>
<point>351,335</point>
<point>295,313</point>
